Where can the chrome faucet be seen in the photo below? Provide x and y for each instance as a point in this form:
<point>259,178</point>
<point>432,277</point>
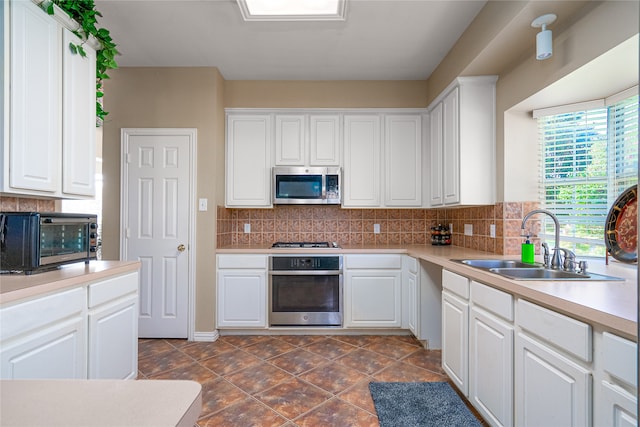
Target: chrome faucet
<point>556,260</point>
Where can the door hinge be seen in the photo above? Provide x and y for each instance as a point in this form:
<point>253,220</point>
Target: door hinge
<point>127,233</point>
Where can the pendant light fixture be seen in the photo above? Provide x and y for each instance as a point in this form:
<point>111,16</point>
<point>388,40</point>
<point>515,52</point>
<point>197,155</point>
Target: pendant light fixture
<point>544,40</point>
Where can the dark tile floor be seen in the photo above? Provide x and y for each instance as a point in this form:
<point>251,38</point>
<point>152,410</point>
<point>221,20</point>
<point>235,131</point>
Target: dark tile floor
<point>289,380</point>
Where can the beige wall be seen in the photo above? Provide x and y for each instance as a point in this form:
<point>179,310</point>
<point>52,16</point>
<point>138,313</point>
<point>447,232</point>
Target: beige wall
<point>501,41</point>
<point>592,34</point>
<point>170,97</point>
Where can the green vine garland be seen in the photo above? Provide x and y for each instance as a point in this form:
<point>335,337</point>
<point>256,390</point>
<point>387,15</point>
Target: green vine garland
<point>85,14</point>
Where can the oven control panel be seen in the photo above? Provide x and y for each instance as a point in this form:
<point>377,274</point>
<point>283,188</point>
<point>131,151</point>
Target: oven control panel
<point>288,263</point>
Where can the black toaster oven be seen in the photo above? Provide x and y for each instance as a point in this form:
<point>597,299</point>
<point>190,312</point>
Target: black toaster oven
<point>35,241</point>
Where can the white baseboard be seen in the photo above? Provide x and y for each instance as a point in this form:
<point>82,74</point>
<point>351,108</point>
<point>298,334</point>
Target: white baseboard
<point>206,336</point>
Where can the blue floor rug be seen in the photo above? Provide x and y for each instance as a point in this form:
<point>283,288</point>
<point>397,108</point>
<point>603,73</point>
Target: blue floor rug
<point>420,404</point>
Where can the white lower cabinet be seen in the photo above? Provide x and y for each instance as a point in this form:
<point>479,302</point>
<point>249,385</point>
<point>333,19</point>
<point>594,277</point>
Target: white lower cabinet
<point>411,295</point>
<point>45,338</point>
<point>242,291</point>
<point>113,328</point>
<point>491,354</point>
<point>372,291</point>
<point>618,407</point>
<point>616,401</point>
<point>455,329</point>
<point>90,331</point>
<point>551,390</point>
<point>553,379</point>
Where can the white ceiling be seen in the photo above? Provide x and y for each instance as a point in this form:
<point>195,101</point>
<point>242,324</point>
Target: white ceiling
<point>380,40</point>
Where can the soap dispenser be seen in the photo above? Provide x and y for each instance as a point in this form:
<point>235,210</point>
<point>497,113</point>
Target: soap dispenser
<point>528,252</point>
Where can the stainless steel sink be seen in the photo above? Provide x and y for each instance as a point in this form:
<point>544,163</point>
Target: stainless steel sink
<point>548,274</point>
<point>497,263</point>
<point>517,270</point>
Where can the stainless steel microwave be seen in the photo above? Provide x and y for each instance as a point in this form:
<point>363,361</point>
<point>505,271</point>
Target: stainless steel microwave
<point>33,241</point>
<point>306,185</point>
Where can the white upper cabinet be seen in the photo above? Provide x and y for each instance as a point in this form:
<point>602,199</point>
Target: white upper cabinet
<point>361,161</point>
<point>290,140</point>
<point>379,152</point>
<point>248,166</point>
<point>383,160</point>
<point>32,151</point>
<point>307,140</point>
<point>462,143</point>
<point>324,140</point>
<point>78,119</point>
<point>403,160</point>
<point>49,126</point>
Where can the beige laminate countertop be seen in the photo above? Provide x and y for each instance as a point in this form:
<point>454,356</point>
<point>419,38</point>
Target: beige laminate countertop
<point>610,305</point>
<point>15,287</point>
<point>108,403</point>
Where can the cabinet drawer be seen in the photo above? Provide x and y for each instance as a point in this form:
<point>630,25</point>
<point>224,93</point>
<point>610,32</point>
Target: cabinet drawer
<point>242,261</point>
<point>375,262</point>
<point>111,289</point>
<point>564,332</point>
<point>455,283</point>
<point>27,316</point>
<point>497,302</point>
<point>620,358</point>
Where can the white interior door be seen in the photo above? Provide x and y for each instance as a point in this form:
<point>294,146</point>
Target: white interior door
<point>157,225</point>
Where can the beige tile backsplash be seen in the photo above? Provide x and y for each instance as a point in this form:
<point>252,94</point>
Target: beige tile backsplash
<point>397,226</point>
<point>24,204</point>
<point>355,226</point>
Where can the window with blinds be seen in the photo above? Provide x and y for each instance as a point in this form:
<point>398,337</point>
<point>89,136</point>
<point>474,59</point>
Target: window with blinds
<point>589,158</point>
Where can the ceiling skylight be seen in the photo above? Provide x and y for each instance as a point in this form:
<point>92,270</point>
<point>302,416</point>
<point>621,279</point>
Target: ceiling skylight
<point>292,10</point>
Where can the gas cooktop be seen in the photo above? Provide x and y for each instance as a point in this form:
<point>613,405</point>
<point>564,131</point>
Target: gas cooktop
<point>305,245</point>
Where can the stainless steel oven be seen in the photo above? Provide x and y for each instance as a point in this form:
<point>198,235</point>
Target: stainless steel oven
<point>305,290</point>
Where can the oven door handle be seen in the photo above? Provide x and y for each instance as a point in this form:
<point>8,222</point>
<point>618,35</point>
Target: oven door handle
<point>305,272</point>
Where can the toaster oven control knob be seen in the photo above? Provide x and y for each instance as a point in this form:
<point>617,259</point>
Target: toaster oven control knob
<point>93,249</point>
<point>93,226</point>
<point>93,235</point>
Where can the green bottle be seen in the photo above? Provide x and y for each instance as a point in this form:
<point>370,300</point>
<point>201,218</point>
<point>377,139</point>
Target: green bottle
<point>528,252</point>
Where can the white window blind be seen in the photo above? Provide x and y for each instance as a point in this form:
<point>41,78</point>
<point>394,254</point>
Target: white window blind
<point>589,158</point>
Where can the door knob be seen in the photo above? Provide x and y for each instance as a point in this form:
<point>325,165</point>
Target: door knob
<point>181,248</point>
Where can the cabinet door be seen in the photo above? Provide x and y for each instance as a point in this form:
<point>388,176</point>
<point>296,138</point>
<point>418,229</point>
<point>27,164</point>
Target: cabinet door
<point>78,119</point>
<point>435,156</point>
<point>248,160</point>
<point>57,352</point>
<point>290,140</point>
<point>113,340</point>
<point>618,407</point>
<point>403,160</point>
<point>451,148</point>
<point>410,299</point>
<point>324,140</point>
<point>491,367</point>
<point>455,340</point>
<point>361,161</point>
<point>34,128</point>
<point>45,337</point>
<point>550,389</point>
<point>242,298</point>
<point>373,299</point>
